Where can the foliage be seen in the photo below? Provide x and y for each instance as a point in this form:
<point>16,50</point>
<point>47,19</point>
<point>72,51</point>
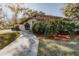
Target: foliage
<point>39,27</point>
<point>72,10</point>
<point>54,27</point>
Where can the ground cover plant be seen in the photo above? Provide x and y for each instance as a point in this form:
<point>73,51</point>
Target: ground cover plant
<point>7,38</point>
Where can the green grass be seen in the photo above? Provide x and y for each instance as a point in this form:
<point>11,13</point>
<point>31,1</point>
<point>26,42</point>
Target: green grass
<point>7,38</point>
<point>58,48</point>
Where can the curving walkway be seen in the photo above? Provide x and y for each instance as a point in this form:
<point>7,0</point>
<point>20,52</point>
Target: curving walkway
<point>25,45</point>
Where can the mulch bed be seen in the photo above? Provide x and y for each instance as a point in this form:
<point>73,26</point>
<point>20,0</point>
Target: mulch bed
<point>62,37</point>
<point>59,37</point>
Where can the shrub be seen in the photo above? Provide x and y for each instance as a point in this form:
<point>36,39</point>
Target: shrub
<point>39,27</point>
<point>54,27</point>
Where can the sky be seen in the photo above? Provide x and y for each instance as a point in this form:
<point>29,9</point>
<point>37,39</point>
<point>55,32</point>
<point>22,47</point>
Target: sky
<point>54,9</point>
<point>49,8</point>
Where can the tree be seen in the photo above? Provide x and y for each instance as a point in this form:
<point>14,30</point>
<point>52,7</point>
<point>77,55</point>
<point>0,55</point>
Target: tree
<point>15,8</point>
<point>2,18</point>
<point>32,13</point>
<point>19,8</point>
<point>72,11</point>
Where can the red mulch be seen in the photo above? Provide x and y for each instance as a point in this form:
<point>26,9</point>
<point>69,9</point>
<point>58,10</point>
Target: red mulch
<point>62,37</point>
<point>59,37</point>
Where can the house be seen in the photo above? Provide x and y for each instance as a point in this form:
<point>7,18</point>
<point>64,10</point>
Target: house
<point>27,23</point>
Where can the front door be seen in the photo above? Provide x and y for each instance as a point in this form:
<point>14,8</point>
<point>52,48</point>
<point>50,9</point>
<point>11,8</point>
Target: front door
<point>27,26</point>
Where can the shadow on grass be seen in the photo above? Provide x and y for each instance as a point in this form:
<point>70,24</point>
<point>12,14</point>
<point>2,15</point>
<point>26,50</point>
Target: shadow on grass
<point>58,48</point>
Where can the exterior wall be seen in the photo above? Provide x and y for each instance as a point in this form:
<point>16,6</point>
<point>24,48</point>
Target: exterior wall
<point>41,18</point>
<point>22,27</point>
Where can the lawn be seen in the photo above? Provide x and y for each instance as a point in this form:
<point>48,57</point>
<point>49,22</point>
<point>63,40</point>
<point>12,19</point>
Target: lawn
<point>58,48</point>
<point>7,38</point>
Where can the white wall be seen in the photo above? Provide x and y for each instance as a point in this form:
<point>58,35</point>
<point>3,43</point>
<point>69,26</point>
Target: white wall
<point>31,22</point>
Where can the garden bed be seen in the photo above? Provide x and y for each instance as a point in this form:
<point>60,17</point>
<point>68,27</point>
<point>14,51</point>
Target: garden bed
<point>58,37</point>
<point>57,30</point>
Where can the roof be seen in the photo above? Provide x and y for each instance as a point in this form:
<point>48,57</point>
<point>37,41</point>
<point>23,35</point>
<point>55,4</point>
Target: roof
<point>48,17</point>
<point>44,17</point>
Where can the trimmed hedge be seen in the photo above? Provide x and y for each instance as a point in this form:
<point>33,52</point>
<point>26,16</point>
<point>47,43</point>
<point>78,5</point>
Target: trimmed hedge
<point>54,27</point>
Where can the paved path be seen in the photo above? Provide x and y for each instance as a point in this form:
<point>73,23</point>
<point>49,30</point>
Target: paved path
<point>25,45</point>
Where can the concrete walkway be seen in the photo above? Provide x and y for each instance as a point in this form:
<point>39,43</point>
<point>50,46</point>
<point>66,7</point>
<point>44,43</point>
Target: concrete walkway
<point>25,45</point>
